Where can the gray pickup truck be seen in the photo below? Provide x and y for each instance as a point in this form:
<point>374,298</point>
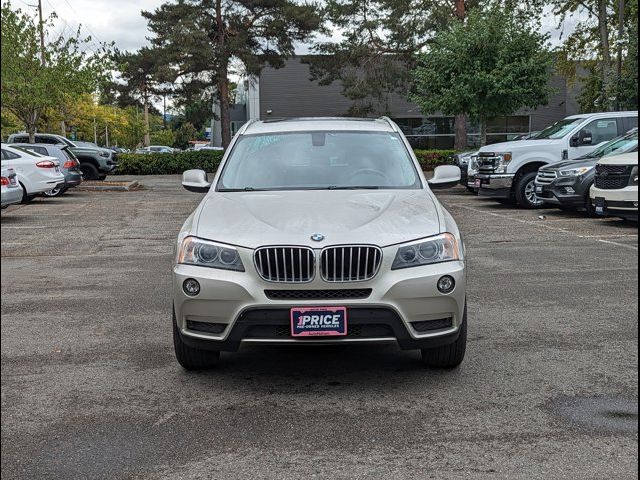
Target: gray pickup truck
<point>95,162</point>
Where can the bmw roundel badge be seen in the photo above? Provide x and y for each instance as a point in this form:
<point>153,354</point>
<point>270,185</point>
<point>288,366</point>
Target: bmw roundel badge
<point>317,237</point>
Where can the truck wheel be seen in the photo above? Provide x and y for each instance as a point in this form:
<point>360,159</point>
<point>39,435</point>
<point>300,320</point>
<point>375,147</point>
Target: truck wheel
<point>448,356</point>
<point>89,171</point>
<point>526,192</point>
<point>192,358</point>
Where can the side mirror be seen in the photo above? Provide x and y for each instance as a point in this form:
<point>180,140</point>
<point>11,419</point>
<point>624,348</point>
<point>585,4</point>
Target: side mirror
<point>445,176</point>
<point>196,181</point>
<point>585,137</point>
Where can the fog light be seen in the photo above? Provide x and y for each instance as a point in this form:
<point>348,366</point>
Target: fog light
<point>446,284</point>
<point>569,190</point>
<point>191,287</point>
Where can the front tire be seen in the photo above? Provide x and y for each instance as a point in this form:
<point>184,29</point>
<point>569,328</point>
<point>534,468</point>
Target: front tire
<point>89,171</point>
<point>192,358</point>
<point>526,192</point>
<point>448,356</point>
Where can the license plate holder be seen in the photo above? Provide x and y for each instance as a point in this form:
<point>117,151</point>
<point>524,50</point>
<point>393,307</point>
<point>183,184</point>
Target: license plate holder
<point>601,206</point>
<point>318,321</point>
<point>478,183</point>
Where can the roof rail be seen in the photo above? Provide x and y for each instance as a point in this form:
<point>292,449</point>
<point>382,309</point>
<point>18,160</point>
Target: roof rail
<point>246,126</point>
<point>393,126</point>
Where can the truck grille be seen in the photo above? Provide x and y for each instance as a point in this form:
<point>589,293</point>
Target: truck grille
<point>285,264</point>
<point>545,177</point>
<point>612,177</point>
<point>488,164</point>
<point>355,263</point>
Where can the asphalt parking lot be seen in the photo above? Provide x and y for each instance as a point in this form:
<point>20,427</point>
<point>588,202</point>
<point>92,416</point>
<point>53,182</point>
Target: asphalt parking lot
<point>90,387</point>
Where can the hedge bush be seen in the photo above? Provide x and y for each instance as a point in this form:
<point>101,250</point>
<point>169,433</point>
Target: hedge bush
<point>208,160</point>
<point>167,163</point>
<point>430,159</point>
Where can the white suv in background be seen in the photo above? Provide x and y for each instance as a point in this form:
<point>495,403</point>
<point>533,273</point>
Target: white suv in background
<point>36,174</point>
<point>507,171</point>
<point>615,191</point>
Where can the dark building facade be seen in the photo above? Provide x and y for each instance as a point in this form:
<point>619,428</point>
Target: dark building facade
<point>289,92</point>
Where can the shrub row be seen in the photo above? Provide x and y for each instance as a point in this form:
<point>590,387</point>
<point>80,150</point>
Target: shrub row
<point>208,160</point>
<point>167,163</point>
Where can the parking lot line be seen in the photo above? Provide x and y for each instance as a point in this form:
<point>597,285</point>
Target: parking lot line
<point>631,247</point>
<point>24,226</point>
<point>551,227</point>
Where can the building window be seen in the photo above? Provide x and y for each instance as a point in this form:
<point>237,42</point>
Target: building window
<point>439,133</point>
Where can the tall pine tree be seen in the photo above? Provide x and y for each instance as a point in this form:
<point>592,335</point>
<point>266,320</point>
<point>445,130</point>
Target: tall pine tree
<point>201,39</point>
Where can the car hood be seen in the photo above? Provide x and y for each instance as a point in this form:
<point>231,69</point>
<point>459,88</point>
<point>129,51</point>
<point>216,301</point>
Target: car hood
<point>517,145</point>
<point>568,164</point>
<point>254,219</point>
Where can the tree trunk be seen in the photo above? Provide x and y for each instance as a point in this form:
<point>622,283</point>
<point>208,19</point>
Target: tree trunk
<point>32,126</point>
<point>460,129</point>
<point>483,132</point>
<point>460,126</point>
<point>223,79</point>
<point>147,136</point>
<point>603,28</point>
<point>63,128</point>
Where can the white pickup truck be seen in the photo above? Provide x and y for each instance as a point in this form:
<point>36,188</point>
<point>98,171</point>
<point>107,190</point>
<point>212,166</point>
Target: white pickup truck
<point>507,171</point>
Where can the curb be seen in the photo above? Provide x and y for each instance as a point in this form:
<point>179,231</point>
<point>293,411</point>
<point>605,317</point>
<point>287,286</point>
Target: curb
<point>90,186</point>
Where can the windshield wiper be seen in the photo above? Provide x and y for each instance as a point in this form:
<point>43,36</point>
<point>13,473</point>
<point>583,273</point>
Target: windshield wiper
<point>245,189</point>
<point>353,187</point>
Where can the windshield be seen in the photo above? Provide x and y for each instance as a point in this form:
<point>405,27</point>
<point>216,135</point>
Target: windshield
<point>319,160</point>
<point>623,144</point>
<point>558,129</point>
<point>86,144</point>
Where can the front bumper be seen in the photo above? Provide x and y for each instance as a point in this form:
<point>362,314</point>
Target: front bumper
<point>619,203</point>
<point>495,185</point>
<point>557,193</point>
<point>234,302</point>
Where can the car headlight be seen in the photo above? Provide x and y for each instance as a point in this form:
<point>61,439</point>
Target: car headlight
<point>438,249</point>
<point>105,154</point>
<point>503,161</point>
<point>633,181</point>
<point>576,172</point>
<point>204,253</point>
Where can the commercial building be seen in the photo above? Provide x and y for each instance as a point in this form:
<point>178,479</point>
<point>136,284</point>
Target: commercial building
<point>289,92</point>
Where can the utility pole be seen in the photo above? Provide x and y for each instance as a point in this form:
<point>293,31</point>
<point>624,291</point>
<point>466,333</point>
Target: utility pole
<point>106,134</point>
<point>41,31</point>
<point>620,35</point>
<point>95,131</point>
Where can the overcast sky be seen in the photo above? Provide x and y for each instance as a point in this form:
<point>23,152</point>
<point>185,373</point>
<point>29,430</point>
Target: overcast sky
<point>120,20</point>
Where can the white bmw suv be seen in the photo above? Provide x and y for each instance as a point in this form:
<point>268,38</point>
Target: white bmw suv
<point>319,231</point>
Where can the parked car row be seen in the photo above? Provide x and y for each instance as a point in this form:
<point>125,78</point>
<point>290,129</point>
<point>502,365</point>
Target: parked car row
<point>560,165</point>
<point>95,162</point>
<point>35,174</point>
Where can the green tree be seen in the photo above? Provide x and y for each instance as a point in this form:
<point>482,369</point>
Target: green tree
<point>489,66</point>
<point>183,134</point>
<point>143,74</point>
<point>201,39</point>
<point>33,80</point>
<point>605,42</point>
